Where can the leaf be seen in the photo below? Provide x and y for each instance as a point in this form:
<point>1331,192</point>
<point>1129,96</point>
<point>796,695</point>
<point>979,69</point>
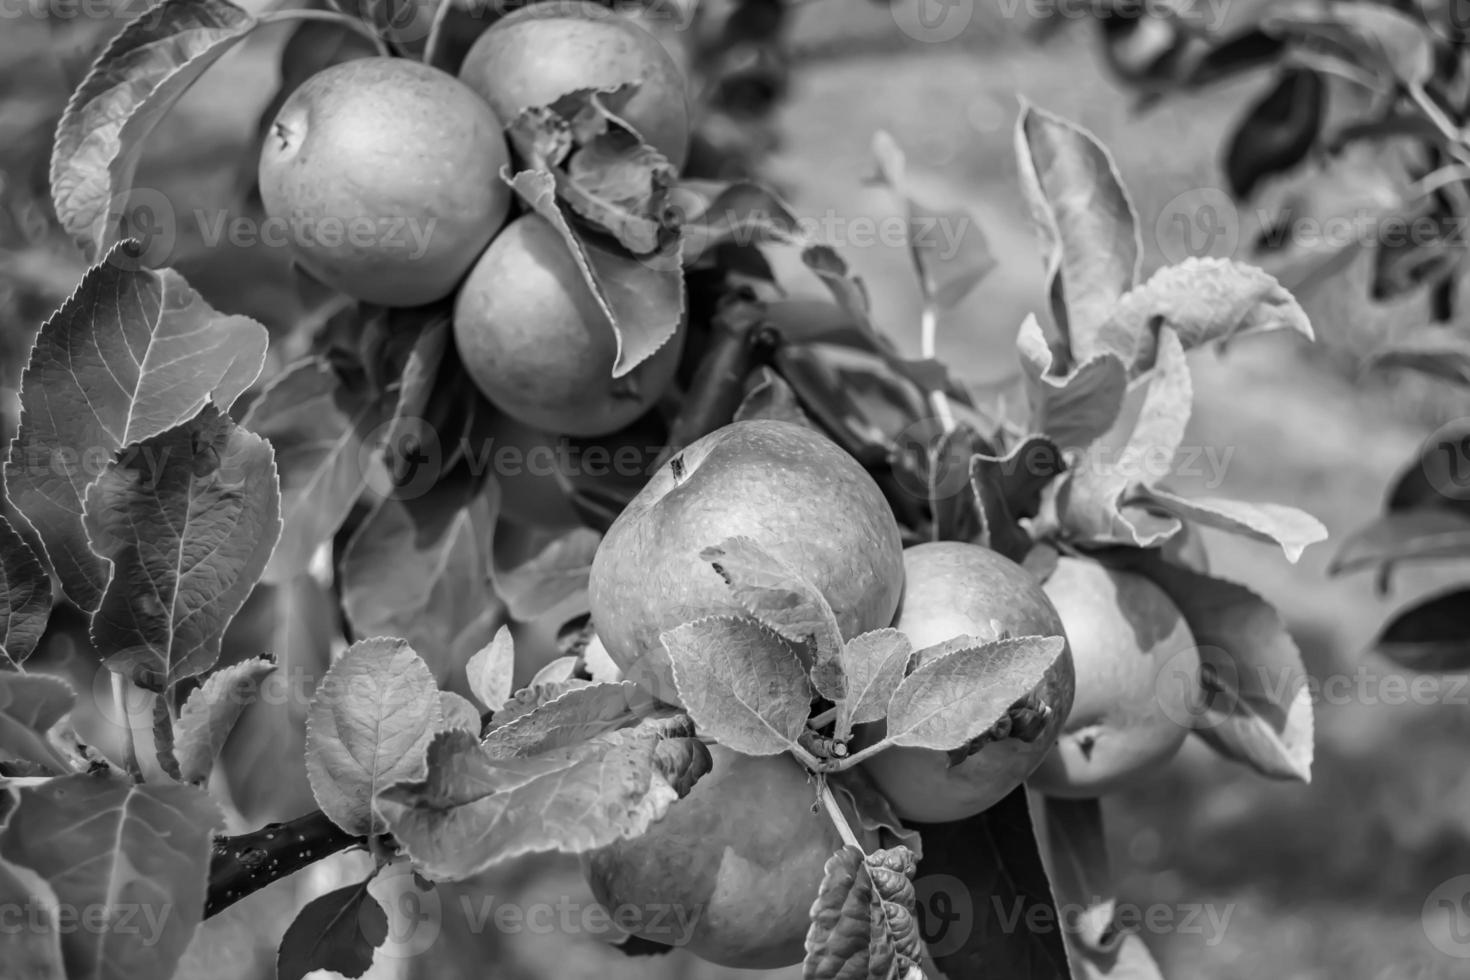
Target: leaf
<point>1258,709</point>
<point>187,519</point>
<point>874,664</point>
<point>321,428</point>
<point>1437,476</point>
<point>1428,635</point>
<point>457,711</point>
<point>1374,36</point>
<point>337,931</point>
<point>551,576</point>
<point>858,397</point>
<point>371,721</point>
<point>642,318</point>
<point>1008,487</point>
<point>130,355</point>
<point>948,269</point>
<point>1277,524</point>
<point>741,682</point>
<point>139,852</point>
<point>573,716</point>
<point>531,697</point>
<point>848,936</point>
<point>415,388</point>
<point>776,594</point>
<point>492,669</point>
<point>951,700</point>
<point>1074,852</point>
<point>132,84</point>
<point>1086,221</point>
<point>25,596</point>
<point>1075,409</point>
<point>1435,352</point>
<point>1203,301</point>
<point>34,951</point>
<point>30,706</point>
<point>473,812</point>
<point>1277,132</point>
<point>209,715</point>
<point>985,906</point>
<point>770,397</point>
<point>1099,503</point>
<point>1415,535</point>
<point>419,568</point>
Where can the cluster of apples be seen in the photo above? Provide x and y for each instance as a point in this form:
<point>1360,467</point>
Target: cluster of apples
<point>412,157</point>
<point>745,848</point>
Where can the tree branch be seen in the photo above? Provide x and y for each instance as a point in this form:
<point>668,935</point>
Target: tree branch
<point>246,863</point>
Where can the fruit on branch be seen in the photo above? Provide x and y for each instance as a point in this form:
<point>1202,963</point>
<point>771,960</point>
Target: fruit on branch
<point>545,51</point>
<point>951,589</point>
<point>531,335</point>
<point>1137,680</point>
<point>736,864</point>
<point>385,177</point>
<point>787,487</point>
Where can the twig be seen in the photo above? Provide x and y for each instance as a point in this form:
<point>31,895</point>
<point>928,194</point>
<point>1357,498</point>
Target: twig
<point>246,863</point>
<point>130,747</point>
<point>436,31</point>
<point>839,819</point>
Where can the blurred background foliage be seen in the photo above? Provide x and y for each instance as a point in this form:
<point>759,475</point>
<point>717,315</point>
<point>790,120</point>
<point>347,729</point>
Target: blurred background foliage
<point>1321,881</point>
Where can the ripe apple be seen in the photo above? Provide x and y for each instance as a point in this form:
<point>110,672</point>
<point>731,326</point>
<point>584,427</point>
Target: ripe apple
<point>542,52</point>
<point>954,589</point>
<point>787,487</point>
<point>1137,680</point>
<point>531,335</point>
<point>384,176</point>
<point>734,866</point>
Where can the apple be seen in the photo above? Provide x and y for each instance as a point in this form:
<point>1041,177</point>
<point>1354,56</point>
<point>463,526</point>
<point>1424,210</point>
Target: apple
<point>787,487</point>
<point>384,176</point>
<point>1137,680</point>
<point>951,589</point>
<point>535,342</point>
<point>734,866</point>
<point>542,52</point>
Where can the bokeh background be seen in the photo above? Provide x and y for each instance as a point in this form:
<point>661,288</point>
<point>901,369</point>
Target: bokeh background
<point>1322,882</point>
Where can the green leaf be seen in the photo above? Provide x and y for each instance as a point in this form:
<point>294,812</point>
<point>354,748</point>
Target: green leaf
<point>770,397</point>
<point>25,597</point>
<point>187,520</point>
<point>133,83</point>
<point>874,664</point>
<point>1258,708</point>
<point>419,568</point>
<point>457,711</point>
<point>777,595</point>
<point>140,852</point>
<point>1277,524</point>
<point>337,931</point>
<point>1098,502</point>
<point>30,706</point>
<point>741,682</point>
<point>573,716</point>
<point>1428,635</point>
<point>371,721</point>
<point>1435,352</point>
<point>533,696</point>
<point>551,576</point>
<point>849,936</point>
<point>643,319</point>
<point>1006,488</point>
<point>415,388</point>
<point>1412,535</point>
<point>209,715</point>
<point>32,952</point>
<point>1074,409</point>
<point>130,355</point>
<point>1203,301</point>
<point>948,249</point>
<point>473,811</point>
<point>951,700</point>
<point>1372,36</point>
<point>1086,221</point>
<point>1075,853</point>
<point>322,429</point>
<point>492,669</point>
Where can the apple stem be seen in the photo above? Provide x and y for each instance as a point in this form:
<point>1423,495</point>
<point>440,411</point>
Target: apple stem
<point>130,747</point>
<point>839,819</point>
<point>822,720</point>
<point>847,762</point>
<point>436,32</point>
<point>928,338</point>
<point>330,17</point>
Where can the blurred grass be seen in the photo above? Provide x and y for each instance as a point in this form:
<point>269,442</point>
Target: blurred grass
<point>1321,882</point>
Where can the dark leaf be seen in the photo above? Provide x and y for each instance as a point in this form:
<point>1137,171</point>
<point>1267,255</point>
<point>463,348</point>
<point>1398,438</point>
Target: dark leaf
<point>1429,636</point>
<point>1276,132</point>
<point>1417,535</point>
<point>337,931</point>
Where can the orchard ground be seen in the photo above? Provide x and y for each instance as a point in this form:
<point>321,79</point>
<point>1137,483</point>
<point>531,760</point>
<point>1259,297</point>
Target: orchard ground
<point>1327,881</point>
